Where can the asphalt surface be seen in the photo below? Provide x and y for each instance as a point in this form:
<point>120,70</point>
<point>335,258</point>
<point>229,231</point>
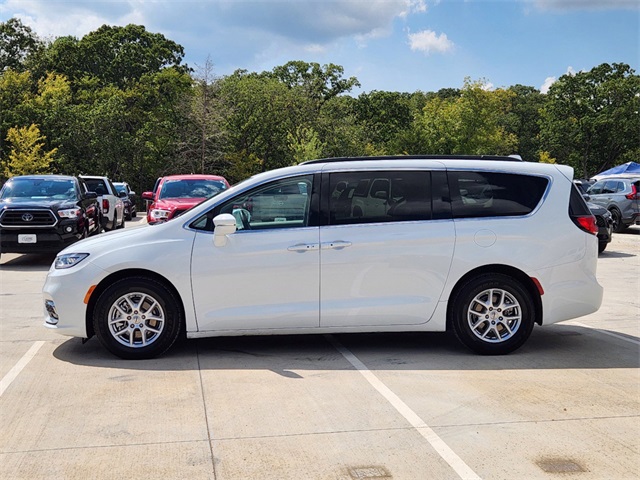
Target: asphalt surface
<point>381,406</point>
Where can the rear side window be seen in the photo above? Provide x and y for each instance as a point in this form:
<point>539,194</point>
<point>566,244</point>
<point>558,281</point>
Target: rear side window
<point>374,197</point>
<point>490,194</point>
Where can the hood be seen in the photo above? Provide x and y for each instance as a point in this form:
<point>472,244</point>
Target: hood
<point>31,203</point>
<point>177,203</point>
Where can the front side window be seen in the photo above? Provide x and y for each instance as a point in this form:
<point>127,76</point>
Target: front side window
<point>372,197</point>
<point>490,194</point>
<point>281,204</point>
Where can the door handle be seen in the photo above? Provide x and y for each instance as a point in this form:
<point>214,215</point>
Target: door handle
<point>337,245</point>
<point>303,247</point>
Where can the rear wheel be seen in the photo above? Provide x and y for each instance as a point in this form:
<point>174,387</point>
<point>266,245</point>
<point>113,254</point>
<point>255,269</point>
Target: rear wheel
<point>602,246</point>
<point>137,318</point>
<point>618,225</point>
<point>493,314</point>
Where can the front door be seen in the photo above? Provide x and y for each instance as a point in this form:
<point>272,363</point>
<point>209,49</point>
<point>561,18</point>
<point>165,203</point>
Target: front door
<point>266,276</point>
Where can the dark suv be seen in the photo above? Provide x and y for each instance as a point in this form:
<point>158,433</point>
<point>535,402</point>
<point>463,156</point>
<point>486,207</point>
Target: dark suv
<point>46,213</point>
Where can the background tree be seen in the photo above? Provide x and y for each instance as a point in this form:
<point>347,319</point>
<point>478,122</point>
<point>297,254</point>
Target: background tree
<point>115,55</point>
<point>304,145</point>
<point>590,119</point>
<point>383,116</point>
<point>318,83</point>
<point>523,120</point>
<point>27,155</point>
<point>471,123</point>
<point>17,42</point>
<point>202,136</point>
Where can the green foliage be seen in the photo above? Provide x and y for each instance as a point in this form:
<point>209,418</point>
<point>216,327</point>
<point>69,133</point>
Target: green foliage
<point>17,43</point>
<point>304,145</point>
<point>114,55</point>
<point>590,120</point>
<point>317,83</point>
<point>471,123</point>
<point>27,155</point>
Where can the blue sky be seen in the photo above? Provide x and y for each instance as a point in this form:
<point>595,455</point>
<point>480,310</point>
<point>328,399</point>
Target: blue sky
<point>392,45</point>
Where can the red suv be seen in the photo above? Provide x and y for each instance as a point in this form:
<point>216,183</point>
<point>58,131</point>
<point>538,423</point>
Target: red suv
<point>176,194</point>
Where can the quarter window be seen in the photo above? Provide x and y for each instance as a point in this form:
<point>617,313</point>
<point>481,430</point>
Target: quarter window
<point>372,197</point>
<point>483,194</point>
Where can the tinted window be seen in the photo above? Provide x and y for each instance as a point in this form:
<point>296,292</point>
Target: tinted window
<point>96,185</point>
<point>484,194</point>
<point>370,197</point>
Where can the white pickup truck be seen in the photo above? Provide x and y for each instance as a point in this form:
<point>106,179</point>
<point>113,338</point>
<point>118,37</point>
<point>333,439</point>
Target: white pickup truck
<point>110,202</point>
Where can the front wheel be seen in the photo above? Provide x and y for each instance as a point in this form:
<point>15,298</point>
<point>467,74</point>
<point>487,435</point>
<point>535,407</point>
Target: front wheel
<point>493,314</point>
<point>137,318</point>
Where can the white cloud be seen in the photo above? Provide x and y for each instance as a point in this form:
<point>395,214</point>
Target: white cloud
<point>547,84</point>
<point>551,80</point>
<point>428,41</point>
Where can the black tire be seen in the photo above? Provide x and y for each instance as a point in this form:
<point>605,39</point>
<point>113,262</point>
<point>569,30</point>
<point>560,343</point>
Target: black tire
<point>483,327</point>
<point>602,246</point>
<point>618,225</point>
<point>155,318</point>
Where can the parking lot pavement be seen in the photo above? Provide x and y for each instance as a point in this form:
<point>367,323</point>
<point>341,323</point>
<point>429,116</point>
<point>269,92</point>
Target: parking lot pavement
<point>401,406</point>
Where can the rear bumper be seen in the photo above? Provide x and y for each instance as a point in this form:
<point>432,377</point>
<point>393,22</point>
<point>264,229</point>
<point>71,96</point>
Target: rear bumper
<point>571,290</point>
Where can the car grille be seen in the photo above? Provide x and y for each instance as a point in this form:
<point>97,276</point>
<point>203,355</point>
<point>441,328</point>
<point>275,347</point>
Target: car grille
<point>28,218</point>
<point>600,221</point>
<point>177,213</point>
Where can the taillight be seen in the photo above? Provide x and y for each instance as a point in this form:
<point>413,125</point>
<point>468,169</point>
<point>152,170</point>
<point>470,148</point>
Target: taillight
<point>105,205</point>
<point>586,223</point>
<point>634,193</point>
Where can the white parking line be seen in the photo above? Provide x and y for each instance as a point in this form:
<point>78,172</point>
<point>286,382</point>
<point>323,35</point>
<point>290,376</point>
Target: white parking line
<point>17,368</point>
<point>599,330</point>
<point>448,455</point>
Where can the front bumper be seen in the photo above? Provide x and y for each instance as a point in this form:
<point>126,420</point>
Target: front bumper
<point>64,293</point>
<point>47,239</point>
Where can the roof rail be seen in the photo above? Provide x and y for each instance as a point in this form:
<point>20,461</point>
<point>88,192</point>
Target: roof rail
<point>502,158</point>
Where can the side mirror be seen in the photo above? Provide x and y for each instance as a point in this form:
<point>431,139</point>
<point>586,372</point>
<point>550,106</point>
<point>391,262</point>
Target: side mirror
<point>147,195</point>
<point>586,197</point>
<point>132,194</point>
<point>90,195</point>
<point>224,224</point>
<point>122,194</point>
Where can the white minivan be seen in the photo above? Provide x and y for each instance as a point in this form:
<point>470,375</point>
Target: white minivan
<point>483,246</point>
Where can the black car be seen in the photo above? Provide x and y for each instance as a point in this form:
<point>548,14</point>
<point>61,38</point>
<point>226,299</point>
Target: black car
<point>46,213</point>
<point>604,221</point>
<point>127,195</point>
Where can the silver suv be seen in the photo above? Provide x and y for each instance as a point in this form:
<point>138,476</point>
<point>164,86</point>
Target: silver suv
<point>619,195</point>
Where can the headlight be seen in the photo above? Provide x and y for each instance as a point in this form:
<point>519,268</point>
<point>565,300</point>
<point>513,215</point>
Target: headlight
<point>70,213</point>
<point>69,260</point>
<point>160,214</point>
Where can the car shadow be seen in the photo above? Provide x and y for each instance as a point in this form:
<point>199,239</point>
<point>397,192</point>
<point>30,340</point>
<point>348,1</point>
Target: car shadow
<point>39,262</point>
<point>549,348</point>
<point>614,254</point>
